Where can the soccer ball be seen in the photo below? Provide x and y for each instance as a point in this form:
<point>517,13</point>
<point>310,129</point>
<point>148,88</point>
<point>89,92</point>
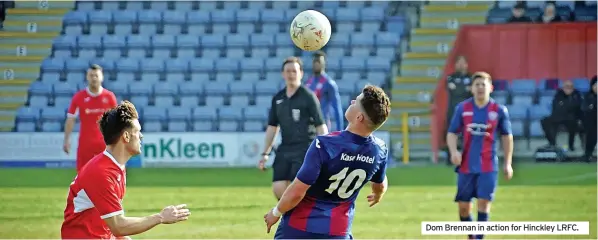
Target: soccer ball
<point>310,30</point>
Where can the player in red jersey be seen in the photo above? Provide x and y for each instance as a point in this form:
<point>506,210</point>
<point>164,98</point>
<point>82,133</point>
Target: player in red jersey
<point>88,104</point>
<point>94,204</point>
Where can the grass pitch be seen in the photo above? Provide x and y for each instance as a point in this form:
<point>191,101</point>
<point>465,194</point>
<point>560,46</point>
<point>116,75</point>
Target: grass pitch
<point>230,203</point>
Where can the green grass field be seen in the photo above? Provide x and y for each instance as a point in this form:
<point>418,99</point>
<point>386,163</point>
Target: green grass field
<point>230,203</point>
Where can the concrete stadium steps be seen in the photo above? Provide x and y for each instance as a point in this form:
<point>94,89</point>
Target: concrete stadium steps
<point>33,25</point>
<point>423,64</point>
<point>26,41</point>
<point>30,49</point>
<point>431,46</point>
<point>24,14</point>
<point>45,5</point>
<point>450,21</point>
<point>30,73</point>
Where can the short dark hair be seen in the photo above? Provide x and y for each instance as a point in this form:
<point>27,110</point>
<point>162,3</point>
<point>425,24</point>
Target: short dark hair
<point>376,105</point>
<point>319,53</point>
<point>95,67</point>
<point>292,60</point>
<point>116,120</point>
<point>482,75</point>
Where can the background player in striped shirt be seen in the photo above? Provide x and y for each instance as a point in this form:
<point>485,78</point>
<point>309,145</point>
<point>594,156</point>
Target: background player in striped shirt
<point>94,204</point>
<point>326,90</point>
<point>481,121</point>
<point>89,105</point>
<point>320,202</point>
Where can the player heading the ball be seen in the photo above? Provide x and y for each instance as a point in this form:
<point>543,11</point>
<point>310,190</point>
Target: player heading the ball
<point>94,203</point>
<point>321,200</point>
<point>481,121</point>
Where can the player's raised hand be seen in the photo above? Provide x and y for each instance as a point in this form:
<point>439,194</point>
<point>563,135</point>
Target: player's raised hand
<point>261,165</point>
<point>174,214</point>
<point>374,199</point>
<point>456,158</point>
<point>66,147</point>
<point>270,220</point>
<point>508,171</point>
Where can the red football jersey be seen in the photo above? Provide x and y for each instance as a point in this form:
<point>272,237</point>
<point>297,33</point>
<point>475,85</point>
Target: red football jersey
<point>90,107</point>
<point>95,194</point>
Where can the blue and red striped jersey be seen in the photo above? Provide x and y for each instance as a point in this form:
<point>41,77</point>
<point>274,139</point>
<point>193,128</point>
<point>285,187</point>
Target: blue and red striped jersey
<point>481,128</point>
<point>336,167</point>
<point>330,99</point>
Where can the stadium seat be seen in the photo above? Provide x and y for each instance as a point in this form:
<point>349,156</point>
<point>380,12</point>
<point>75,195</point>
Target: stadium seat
<point>51,126</point>
<point>581,84</point>
<point>539,112</point>
<point>517,127</point>
<point>524,87</point>
<point>28,114</point>
<point>536,129</point>
<point>522,100</point>
<point>518,112</point>
<point>26,127</point>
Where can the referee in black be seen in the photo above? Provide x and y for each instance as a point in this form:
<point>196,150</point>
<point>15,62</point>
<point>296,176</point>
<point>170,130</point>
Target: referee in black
<point>296,112</point>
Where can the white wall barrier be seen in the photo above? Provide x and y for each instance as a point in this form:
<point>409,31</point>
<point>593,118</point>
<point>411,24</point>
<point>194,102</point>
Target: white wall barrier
<point>36,150</point>
<point>168,149</point>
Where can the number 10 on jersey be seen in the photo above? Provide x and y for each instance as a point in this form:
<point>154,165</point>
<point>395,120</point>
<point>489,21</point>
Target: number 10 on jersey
<point>344,191</point>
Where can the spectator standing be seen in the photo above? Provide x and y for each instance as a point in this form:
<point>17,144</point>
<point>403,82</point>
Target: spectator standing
<point>458,86</point>
<point>566,110</point>
<point>589,123</point>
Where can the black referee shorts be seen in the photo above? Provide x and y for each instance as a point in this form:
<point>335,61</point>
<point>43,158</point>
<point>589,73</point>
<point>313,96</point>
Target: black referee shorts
<point>287,163</point>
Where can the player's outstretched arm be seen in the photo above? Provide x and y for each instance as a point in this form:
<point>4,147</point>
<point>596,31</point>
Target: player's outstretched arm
<point>378,191</point>
<point>507,141</point>
<point>126,226</point>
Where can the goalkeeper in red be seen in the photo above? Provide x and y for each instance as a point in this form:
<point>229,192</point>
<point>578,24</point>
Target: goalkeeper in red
<point>320,203</point>
<point>482,122</point>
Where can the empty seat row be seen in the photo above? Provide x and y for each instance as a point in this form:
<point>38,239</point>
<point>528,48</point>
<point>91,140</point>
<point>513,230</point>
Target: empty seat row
<point>160,113</point>
<point>345,80</point>
<point>41,101</point>
<point>154,126</point>
<point>216,28</point>
<point>218,40</point>
<point>185,89</point>
<point>205,65</point>
<point>215,53</point>
<point>216,16</point>
<point>525,100</point>
<point>221,5</point>
<point>530,86</point>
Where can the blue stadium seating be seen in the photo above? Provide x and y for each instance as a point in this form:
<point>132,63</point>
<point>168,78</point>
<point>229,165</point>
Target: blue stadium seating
<point>214,66</point>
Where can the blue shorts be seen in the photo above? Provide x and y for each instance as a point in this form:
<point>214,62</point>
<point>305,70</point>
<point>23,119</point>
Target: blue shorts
<point>287,232</point>
<point>476,185</point>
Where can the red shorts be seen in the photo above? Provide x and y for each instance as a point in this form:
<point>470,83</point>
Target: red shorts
<point>84,154</point>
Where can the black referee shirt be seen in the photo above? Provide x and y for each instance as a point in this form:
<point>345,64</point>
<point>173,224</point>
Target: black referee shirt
<point>297,116</point>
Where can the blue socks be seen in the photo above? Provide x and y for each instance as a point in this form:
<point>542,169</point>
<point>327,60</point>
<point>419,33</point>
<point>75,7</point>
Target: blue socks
<point>466,219</point>
<point>482,217</point>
